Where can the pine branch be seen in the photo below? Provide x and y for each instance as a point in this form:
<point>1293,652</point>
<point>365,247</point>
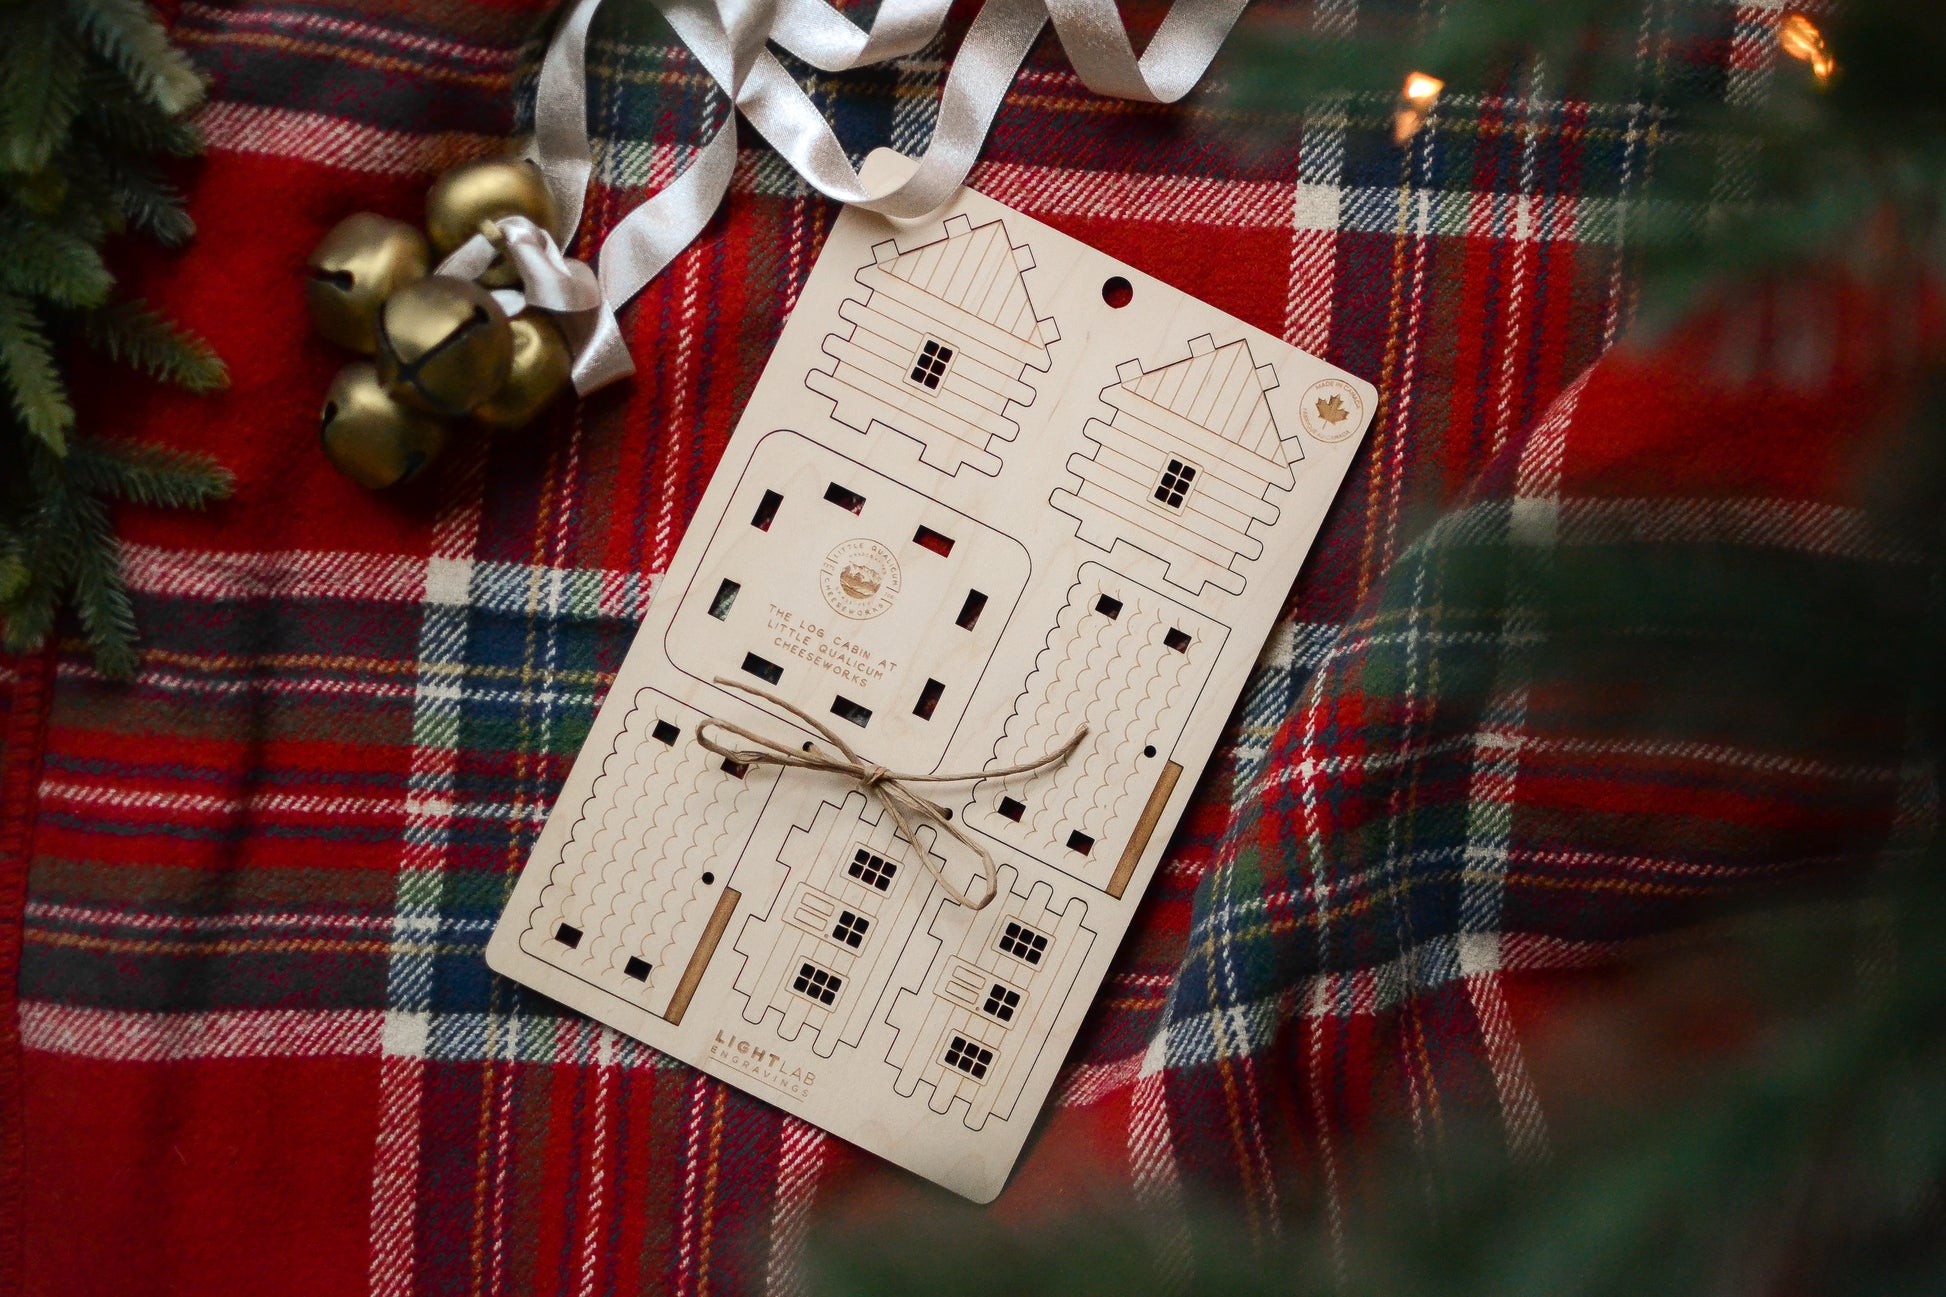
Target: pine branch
<point>40,88</point>
<point>150,203</point>
<point>133,334</point>
<point>125,122</point>
<point>150,475</point>
<point>39,396</point>
<point>126,34</point>
<point>101,598</point>
<point>65,268</point>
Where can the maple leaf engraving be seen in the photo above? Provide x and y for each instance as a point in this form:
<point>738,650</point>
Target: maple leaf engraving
<point>1333,410</point>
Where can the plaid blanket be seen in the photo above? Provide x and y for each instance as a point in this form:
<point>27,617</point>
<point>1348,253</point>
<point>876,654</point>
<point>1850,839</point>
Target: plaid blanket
<point>256,1048</point>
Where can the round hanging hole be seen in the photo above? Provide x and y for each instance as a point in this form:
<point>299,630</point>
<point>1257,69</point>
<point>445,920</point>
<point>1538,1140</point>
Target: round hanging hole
<point>708,879</point>
<point>1117,292</point>
<point>1149,751</point>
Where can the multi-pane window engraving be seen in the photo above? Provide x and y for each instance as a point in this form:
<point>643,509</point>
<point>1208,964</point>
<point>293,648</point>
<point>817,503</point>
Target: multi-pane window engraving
<point>872,870</point>
<point>1022,942</point>
<point>851,929</point>
<point>1001,1003</point>
<point>1174,486</point>
<point>814,983</point>
<point>972,1059</point>
<point>930,365</point>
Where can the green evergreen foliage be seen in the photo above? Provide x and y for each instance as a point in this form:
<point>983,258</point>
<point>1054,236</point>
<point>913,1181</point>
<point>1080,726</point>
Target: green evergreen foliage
<point>92,97</point>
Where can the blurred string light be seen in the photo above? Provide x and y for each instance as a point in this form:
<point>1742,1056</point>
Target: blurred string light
<point>1800,38</point>
<point>1415,102</point>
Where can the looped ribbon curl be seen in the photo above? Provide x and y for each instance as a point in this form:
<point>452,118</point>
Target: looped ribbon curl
<point>887,785</point>
<point>732,39</point>
<point>551,281</point>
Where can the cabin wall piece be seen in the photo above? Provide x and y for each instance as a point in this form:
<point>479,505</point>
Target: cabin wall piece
<point>1003,975</point>
<point>1130,664</point>
<point>858,599</point>
<point>822,959</point>
<point>648,859</point>
<point>1185,467</point>
<point>941,346</point>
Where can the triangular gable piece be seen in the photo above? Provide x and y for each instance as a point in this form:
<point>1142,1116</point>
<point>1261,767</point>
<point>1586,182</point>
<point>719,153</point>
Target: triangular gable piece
<point>976,270</point>
<point>1219,389</point>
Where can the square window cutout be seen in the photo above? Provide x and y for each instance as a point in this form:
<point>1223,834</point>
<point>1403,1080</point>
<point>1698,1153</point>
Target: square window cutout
<point>636,968</point>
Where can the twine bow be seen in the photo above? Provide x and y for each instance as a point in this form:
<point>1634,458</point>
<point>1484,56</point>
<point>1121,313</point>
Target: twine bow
<point>887,785</point>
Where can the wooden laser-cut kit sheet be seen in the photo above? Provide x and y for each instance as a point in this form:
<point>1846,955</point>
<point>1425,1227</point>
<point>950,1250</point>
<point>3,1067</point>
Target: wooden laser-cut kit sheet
<point>970,507</point>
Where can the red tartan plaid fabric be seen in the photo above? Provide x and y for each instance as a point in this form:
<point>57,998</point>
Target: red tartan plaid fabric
<point>256,1048</point>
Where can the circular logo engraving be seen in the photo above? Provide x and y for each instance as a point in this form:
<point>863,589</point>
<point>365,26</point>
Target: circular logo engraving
<point>1331,409</point>
<point>859,578</point>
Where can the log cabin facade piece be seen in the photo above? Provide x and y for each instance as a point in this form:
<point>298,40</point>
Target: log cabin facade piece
<point>1184,468</point>
<point>940,346</point>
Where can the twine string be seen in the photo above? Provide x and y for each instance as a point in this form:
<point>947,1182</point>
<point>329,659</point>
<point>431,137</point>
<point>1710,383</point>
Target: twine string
<point>889,786</point>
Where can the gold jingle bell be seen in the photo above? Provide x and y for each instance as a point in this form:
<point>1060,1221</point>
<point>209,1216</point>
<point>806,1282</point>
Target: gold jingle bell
<point>361,262</point>
<point>485,191</point>
<point>371,438</point>
<point>444,345</point>
<point>542,369</point>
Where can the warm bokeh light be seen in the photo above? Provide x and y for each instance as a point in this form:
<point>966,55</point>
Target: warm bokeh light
<point>1800,38</point>
<point>1415,101</point>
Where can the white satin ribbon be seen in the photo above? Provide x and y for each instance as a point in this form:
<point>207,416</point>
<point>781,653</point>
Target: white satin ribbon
<point>551,281</point>
<point>732,39</point>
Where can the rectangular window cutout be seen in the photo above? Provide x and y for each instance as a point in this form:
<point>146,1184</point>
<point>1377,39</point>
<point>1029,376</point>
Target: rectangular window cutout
<point>965,1056</point>
<point>666,733</point>
<point>1175,483</point>
<point>927,538</point>
<point>1022,942</point>
<point>766,511</point>
<point>1001,1003</point>
<point>1109,607</point>
<point>726,598</point>
<point>639,969</point>
<point>844,499</point>
<point>969,612</point>
<point>851,929</point>
<point>851,711</point>
<point>1177,640</point>
<point>762,668</point>
<point>814,983</point>
<point>872,869</point>
<point>929,366</point>
<point>1080,842</point>
<point>1012,809</point>
<point>568,935</point>
<point>929,700</point>
<point>735,769</point>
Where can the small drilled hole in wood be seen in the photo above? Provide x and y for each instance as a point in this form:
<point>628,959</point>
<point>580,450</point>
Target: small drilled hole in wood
<point>929,700</point>
<point>735,769</point>
<point>845,499</point>
<point>766,511</point>
<point>762,668</point>
<point>1149,751</point>
<point>927,538</point>
<point>666,733</point>
<point>708,878</point>
<point>1117,292</point>
<point>1012,809</point>
<point>726,598</point>
<point>969,612</point>
<point>568,935</point>
<point>1080,843</point>
<point>1177,640</point>
<point>1109,607</point>
<point>636,968</point>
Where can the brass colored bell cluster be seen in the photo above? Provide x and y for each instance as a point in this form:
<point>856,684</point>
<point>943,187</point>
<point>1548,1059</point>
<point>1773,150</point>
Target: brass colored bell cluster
<point>441,348</point>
